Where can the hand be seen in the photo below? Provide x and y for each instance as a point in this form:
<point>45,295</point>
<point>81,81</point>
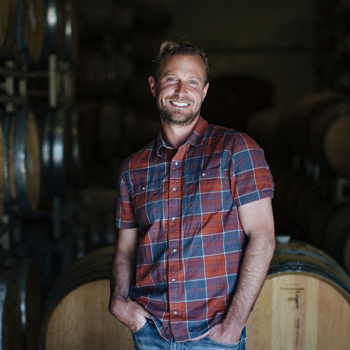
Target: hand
<point>132,314</point>
<point>222,334</point>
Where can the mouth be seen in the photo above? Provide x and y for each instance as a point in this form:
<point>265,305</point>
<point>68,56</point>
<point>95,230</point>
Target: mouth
<point>179,104</point>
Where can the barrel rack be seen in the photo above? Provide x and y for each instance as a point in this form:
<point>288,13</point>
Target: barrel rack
<point>58,88</point>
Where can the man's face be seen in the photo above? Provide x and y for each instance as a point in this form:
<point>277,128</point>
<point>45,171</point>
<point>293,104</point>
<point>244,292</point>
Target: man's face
<point>180,88</point>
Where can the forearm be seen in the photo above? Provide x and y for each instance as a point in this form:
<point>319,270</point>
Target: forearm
<point>122,272</point>
<point>253,271</point>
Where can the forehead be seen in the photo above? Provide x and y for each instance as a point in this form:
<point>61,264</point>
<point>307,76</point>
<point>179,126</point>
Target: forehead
<point>176,64</point>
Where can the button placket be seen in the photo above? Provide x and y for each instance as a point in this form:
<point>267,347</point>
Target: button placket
<point>174,264</point>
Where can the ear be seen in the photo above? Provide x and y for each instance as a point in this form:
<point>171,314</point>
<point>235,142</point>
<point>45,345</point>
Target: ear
<point>205,90</point>
<point>152,85</point>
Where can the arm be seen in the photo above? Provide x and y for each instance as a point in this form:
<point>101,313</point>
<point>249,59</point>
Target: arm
<point>123,268</point>
<point>257,223</point>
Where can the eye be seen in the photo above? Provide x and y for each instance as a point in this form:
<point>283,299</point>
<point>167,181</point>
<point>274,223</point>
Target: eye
<point>170,79</point>
<point>193,82</point>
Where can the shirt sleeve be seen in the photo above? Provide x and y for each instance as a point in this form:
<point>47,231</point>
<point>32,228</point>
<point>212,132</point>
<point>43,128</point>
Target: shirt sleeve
<point>251,178</point>
<point>125,217</point>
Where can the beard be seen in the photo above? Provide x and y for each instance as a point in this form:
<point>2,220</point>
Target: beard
<point>178,117</point>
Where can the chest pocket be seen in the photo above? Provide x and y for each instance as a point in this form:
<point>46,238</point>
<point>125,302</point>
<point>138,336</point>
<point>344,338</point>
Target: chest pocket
<point>148,202</point>
<point>207,191</point>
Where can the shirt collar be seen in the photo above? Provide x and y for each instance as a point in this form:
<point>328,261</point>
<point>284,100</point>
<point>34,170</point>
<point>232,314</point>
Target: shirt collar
<point>195,138</point>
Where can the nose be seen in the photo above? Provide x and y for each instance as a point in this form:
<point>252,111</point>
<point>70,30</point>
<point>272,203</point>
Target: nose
<point>180,88</point>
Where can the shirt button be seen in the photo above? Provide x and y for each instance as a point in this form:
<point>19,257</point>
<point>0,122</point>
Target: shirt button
<point>174,250</point>
<point>173,280</point>
<point>175,312</point>
<point>174,189</point>
<point>176,163</point>
<point>143,188</point>
<point>203,174</point>
<point>173,218</point>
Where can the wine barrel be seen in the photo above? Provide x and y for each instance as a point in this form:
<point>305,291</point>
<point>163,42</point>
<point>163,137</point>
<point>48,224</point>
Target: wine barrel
<point>71,31</point>
<point>22,161</point>
<point>304,304</point>
<point>2,168</point>
<point>8,16</point>
<point>10,316</point>
<point>29,288</point>
<point>72,308</point>
<point>30,31</point>
<point>24,273</point>
<point>54,32</point>
<point>322,125</point>
<point>336,240</point>
<point>60,149</point>
<point>74,163</point>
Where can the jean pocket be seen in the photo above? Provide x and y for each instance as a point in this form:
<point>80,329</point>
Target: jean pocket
<point>142,328</point>
<point>218,345</point>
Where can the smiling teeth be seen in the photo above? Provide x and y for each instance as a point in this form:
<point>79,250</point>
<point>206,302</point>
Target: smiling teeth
<point>180,104</point>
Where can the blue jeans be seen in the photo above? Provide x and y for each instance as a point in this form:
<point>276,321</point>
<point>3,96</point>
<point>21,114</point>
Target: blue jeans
<point>148,338</point>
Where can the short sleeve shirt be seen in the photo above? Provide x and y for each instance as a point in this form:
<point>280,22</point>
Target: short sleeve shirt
<point>185,204</point>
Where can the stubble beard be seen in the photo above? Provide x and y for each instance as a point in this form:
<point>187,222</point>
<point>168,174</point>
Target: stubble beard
<point>177,118</point>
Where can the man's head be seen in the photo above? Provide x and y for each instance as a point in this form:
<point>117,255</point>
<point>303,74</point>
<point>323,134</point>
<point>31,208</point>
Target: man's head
<point>179,82</point>
<point>171,48</point>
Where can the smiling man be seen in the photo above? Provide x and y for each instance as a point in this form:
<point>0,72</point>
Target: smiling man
<point>196,231</point>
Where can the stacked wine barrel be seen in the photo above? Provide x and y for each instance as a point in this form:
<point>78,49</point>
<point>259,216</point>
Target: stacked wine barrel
<point>32,29</point>
<point>20,303</point>
<point>304,304</point>
<point>308,147</point>
<point>21,165</point>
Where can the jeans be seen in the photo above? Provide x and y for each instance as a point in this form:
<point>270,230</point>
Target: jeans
<point>148,338</point>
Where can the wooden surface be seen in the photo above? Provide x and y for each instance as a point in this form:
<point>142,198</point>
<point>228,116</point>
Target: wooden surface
<point>304,304</point>
<point>34,27</point>
<point>2,170</point>
<point>32,152</point>
<point>337,144</point>
<point>4,20</point>
<point>10,316</point>
<point>82,321</point>
<point>299,312</point>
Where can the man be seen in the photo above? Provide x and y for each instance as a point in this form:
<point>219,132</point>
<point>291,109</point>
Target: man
<point>196,231</point>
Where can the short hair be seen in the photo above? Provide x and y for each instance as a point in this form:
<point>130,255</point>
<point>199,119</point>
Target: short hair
<point>180,47</point>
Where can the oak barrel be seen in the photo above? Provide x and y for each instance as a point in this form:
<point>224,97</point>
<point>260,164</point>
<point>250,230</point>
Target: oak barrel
<point>2,168</point>
<point>336,238</point>
<point>60,144</point>
<point>8,15</point>
<point>304,304</point>
<point>22,161</point>
<point>23,272</point>
<point>30,31</point>
<point>55,25</point>
<point>77,307</point>
<point>321,125</point>
<point>29,288</point>
<point>71,31</point>
<point>10,316</point>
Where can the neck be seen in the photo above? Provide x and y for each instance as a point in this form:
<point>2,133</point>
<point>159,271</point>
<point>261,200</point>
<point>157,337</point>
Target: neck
<point>176,135</point>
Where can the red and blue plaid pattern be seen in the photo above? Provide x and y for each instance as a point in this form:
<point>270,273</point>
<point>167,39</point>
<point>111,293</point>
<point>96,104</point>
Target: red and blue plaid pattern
<point>184,203</point>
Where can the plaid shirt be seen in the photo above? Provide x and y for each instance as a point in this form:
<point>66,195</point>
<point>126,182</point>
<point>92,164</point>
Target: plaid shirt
<point>184,203</point>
